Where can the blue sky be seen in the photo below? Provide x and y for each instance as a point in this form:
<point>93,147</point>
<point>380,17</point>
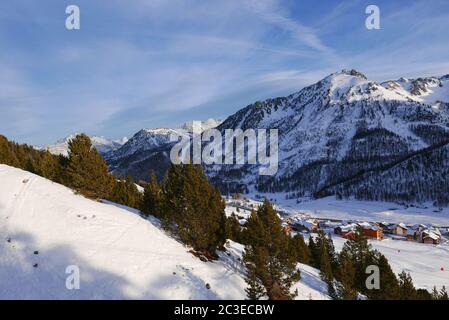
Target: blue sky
<point>154,63</point>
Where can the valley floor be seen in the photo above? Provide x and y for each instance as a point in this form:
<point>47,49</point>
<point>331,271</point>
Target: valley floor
<point>331,208</point>
<point>427,264</point>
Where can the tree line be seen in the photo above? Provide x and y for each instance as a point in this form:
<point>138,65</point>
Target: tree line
<point>192,209</point>
<point>83,170</point>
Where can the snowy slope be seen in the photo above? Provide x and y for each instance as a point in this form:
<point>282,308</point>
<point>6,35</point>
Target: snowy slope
<point>119,254</point>
<point>428,90</point>
<point>102,144</point>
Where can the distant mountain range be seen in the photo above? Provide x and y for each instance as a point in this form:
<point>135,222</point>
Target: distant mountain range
<point>102,144</point>
<point>149,151</point>
<point>344,135</point>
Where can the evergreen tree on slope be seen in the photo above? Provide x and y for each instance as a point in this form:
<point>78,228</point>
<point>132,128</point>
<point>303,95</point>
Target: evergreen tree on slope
<point>271,269</point>
<point>86,171</point>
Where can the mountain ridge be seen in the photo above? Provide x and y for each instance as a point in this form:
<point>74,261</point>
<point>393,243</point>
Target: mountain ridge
<point>102,144</point>
<point>337,128</point>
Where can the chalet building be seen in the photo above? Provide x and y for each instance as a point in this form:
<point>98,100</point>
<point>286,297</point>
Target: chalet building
<point>309,225</point>
<point>430,238</point>
<point>386,227</point>
<point>400,230</point>
<point>349,235</point>
<point>411,235</point>
<point>372,231</point>
<point>344,230</point>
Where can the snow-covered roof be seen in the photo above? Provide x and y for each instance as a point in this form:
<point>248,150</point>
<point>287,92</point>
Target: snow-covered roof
<point>306,223</point>
<point>402,225</point>
<point>348,227</point>
<point>432,236</point>
<point>367,225</point>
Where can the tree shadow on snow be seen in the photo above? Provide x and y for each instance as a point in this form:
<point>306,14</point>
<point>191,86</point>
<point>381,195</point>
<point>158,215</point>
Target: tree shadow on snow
<point>26,272</point>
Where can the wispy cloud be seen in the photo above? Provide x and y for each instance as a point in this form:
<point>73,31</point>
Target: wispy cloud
<point>152,63</point>
<point>272,12</point>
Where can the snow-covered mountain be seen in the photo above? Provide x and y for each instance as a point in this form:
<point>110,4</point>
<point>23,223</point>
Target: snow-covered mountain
<point>48,233</point>
<point>431,90</point>
<point>149,150</point>
<point>347,135</point>
<point>205,125</point>
<point>102,144</point>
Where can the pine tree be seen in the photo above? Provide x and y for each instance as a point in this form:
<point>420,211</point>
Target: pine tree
<point>406,289</point>
<point>435,294</point>
<point>49,167</point>
<point>125,192</point>
<point>389,286</point>
<point>358,250</point>
<point>423,294</point>
<point>233,229</point>
<point>300,249</point>
<point>314,250</point>
<point>86,171</point>
<point>153,198</point>
<point>194,209</point>
<point>443,294</point>
<point>268,261</point>
<point>7,154</point>
<point>346,277</point>
<point>254,257</point>
<point>325,254</point>
<point>326,272</point>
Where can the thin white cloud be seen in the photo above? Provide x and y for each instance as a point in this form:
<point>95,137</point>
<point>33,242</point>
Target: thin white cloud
<point>269,10</point>
<point>142,61</point>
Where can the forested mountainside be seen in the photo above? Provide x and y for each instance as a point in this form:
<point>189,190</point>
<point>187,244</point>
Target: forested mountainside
<point>348,136</point>
<point>344,135</point>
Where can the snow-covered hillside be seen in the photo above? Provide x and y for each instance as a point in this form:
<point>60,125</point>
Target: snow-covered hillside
<point>102,144</point>
<point>45,228</point>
